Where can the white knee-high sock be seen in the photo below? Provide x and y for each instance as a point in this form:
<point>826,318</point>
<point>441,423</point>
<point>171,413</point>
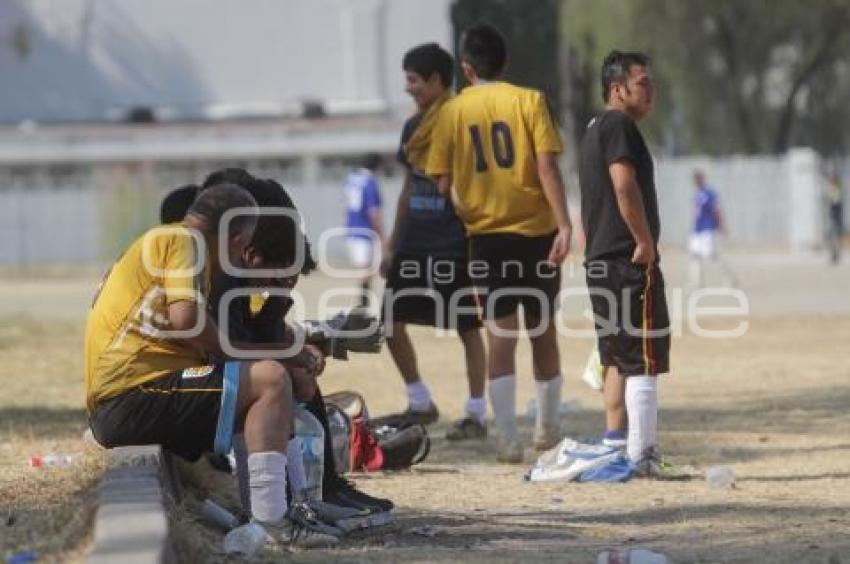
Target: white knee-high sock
<point>642,412</point>
<point>548,402</point>
<point>240,453</point>
<point>503,400</point>
<point>295,468</point>
<point>268,485</point>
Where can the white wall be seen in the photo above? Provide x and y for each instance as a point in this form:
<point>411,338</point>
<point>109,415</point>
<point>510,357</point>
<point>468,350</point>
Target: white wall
<point>92,59</point>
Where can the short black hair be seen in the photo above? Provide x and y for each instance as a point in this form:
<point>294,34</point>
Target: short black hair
<point>176,203</point>
<point>483,47</point>
<point>427,59</point>
<point>213,202</point>
<point>275,235</point>
<point>616,66</point>
<point>231,175</point>
<point>275,241</point>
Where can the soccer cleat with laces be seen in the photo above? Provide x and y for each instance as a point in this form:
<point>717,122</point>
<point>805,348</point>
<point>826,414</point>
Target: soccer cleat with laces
<point>344,518</point>
<point>653,467</point>
<point>510,451</point>
<point>340,491</point>
<point>304,529</point>
<point>467,428</point>
<point>407,418</point>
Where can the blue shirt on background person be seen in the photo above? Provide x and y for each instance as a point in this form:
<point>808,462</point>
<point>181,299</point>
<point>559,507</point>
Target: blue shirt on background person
<point>362,196</point>
<point>706,210</point>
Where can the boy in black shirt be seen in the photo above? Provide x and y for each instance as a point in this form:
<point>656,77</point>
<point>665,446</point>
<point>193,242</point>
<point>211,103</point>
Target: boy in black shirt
<point>426,264</point>
<point>620,216</point>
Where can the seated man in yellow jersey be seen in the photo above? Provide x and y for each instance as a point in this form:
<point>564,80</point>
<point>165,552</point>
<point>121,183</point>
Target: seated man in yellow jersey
<point>155,368</point>
<point>495,150</point>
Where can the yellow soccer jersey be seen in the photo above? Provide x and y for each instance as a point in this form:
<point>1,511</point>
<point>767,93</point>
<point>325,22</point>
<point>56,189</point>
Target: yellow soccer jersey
<point>488,138</point>
<point>127,340</point>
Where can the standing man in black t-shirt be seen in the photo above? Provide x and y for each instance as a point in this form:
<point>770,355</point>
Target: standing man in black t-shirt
<point>426,266</point>
<point>620,216</point>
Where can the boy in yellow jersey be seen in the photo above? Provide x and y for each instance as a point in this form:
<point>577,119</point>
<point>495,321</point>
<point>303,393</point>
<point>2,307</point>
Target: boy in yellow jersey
<point>494,149</point>
<point>156,372</point>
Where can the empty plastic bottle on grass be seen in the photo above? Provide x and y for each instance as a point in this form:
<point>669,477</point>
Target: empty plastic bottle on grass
<point>51,461</point>
<point>720,477</point>
<point>216,515</point>
<point>312,435</point>
<point>630,556</point>
<point>245,540</point>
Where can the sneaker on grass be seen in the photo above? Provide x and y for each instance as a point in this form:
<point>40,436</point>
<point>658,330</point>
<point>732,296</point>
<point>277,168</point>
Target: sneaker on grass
<point>302,528</point>
<point>340,491</point>
<point>467,428</point>
<point>407,418</point>
<point>653,467</point>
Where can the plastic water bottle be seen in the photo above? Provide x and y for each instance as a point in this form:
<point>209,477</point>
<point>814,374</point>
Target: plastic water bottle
<point>340,428</point>
<point>720,477</point>
<point>312,435</point>
<point>216,515</point>
<point>245,540</point>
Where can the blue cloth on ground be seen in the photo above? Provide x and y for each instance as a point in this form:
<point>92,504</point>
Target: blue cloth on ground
<point>620,469</point>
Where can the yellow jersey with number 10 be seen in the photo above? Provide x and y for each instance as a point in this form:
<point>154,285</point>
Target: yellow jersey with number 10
<point>487,138</point>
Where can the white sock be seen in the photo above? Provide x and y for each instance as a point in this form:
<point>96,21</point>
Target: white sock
<point>696,272</point>
<point>268,485</point>
<point>548,402</point>
<point>295,468</point>
<point>642,412</point>
<point>240,453</point>
<point>477,408</point>
<point>503,400</point>
<point>418,396</point>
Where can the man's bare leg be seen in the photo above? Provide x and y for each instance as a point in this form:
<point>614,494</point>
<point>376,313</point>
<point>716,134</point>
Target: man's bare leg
<point>401,349</point>
<point>472,425</point>
<point>264,415</point>
<point>614,394</point>
<point>476,367</point>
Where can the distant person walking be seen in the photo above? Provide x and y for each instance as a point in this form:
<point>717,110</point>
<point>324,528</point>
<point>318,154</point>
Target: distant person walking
<point>708,225</point>
<point>835,225</point>
<point>363,220</point>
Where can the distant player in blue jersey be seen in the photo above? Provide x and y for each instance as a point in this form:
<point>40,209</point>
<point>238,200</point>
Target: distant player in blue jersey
<point>708,224</point>
<point>363,220</point>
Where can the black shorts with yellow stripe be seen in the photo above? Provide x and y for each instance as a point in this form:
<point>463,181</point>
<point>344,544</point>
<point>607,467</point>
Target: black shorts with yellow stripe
<point>179,411</point>
<point>631,317</point>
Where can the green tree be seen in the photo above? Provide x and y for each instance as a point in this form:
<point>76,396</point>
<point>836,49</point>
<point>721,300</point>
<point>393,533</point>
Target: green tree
<point>743,71</point>
<point>752,76</point>
<point>532,34</point>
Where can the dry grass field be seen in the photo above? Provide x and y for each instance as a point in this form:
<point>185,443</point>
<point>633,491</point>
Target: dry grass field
<point>771,404</point>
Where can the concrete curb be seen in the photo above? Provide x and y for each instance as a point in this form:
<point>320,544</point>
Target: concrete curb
<point>131,525</point>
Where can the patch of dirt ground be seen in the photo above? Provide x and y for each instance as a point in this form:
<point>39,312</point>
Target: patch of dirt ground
<point>771,404</point>
<point>46,510</point>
